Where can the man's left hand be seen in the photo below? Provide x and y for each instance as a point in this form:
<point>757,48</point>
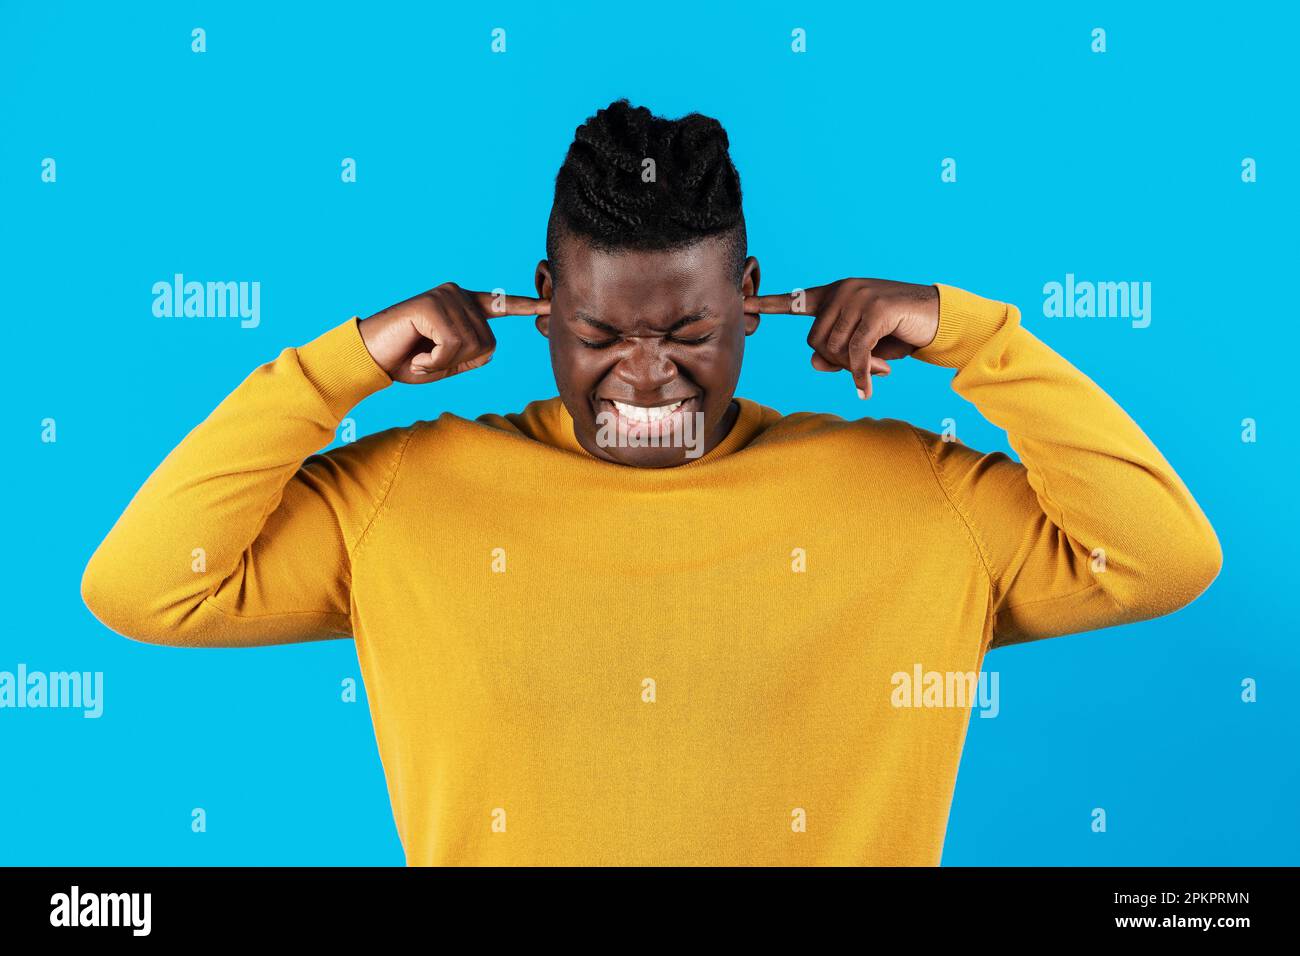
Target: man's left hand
<point>860,324</point>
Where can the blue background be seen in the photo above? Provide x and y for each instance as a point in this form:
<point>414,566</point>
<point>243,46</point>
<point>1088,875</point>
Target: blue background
<point>226,166</point>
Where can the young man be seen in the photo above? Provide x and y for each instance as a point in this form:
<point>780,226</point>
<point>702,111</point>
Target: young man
<point>648,621</point>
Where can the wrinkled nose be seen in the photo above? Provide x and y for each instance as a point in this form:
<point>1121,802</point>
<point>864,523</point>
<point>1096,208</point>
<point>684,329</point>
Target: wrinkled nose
<point>646,366</point>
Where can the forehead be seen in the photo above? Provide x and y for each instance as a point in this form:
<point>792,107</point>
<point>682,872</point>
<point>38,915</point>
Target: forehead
<point>643,282</point>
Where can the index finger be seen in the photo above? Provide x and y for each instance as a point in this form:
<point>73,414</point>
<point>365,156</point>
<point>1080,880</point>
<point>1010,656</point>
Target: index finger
<point>494,304</point>
<point>798,302</point>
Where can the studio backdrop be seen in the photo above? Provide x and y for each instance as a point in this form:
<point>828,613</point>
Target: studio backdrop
<point>326,160</point>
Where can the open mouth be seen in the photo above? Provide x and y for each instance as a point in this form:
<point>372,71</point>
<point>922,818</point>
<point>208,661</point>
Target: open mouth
<point>661,418</point>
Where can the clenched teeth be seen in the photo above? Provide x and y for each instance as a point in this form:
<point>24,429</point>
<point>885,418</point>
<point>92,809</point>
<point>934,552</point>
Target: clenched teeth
<point>642,413</point>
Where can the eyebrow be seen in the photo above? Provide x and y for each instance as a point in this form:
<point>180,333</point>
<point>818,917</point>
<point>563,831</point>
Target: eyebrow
<point>699,315</point>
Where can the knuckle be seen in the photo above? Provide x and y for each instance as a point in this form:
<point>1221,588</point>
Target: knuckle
<point>839,338</point>
<point>438,300</point>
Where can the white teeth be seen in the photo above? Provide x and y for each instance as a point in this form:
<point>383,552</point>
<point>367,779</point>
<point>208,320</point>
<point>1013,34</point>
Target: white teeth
<point>642,413</point>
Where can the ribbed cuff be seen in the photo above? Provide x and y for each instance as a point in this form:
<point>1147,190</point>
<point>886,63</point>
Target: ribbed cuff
<point>966,322</point>
<point>341,368</point>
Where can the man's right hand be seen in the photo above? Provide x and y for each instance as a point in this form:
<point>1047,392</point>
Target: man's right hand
<point>441,332</point>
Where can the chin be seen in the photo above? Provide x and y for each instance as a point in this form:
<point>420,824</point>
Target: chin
<point>649,457</point>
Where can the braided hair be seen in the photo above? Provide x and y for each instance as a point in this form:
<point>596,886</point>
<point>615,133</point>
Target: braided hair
<point>603,198</point>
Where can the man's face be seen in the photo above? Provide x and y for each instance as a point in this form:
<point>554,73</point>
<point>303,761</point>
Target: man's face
<point>646,348</point>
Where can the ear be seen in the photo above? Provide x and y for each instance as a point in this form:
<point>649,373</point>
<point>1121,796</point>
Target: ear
<point>749,286</point>
<point>542,279</point>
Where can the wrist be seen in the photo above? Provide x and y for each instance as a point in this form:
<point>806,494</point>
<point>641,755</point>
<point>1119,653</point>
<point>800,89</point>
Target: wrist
<point>341,368</point>
<point>382,340</point>
<point>966,321</point>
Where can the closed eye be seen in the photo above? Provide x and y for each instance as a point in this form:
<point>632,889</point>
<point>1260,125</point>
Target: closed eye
<point>608,342</point>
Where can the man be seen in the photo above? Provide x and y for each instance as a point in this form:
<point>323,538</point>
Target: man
<point>648,621</point>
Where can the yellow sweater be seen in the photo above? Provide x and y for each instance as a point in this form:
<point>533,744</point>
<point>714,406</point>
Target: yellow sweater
<point>570,661</point>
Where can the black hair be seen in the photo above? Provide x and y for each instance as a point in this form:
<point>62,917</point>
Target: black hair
<point>602,195</point>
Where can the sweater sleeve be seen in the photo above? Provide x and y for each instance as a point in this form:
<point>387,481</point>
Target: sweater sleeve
<point>1092,527</point>
<point>243,535</point>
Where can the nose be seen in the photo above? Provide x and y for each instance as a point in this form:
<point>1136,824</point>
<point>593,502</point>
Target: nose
<point>646,366</point>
